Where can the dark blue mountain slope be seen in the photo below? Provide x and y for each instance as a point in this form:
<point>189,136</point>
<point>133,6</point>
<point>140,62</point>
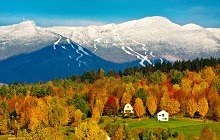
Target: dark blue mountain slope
<point>55,61</point>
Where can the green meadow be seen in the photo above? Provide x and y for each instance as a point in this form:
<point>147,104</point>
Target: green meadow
<point>189,127</point>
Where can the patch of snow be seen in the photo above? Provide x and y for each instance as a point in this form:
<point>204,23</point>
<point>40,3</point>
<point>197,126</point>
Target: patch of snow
<point>161,60</point>
<point>97,41</point>
<point>68,41</point>
<point>151,53</point>
<point>56,43</point>
<point>81,49</point>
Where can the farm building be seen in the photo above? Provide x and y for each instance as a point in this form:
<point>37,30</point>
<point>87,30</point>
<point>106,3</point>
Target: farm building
<point>128,109</point>
<point>163,116</point>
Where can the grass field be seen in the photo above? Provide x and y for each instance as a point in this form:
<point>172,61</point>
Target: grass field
<point>189,127</point>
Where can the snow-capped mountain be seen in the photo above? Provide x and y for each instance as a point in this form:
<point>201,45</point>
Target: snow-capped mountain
<point>145,39</point>
<point>62,51</point>
<point>23,38</point>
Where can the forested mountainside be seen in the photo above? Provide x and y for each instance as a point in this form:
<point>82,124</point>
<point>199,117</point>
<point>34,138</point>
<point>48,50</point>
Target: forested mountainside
<point>186,88</point>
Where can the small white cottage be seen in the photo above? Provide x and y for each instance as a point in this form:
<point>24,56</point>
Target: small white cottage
<point>108,138</point>
<point>163,116</point>
<point>128,109</point>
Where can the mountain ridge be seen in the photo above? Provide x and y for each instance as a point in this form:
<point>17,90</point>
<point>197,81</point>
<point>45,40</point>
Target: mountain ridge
<point>32,53</point>
<point>155,34</point>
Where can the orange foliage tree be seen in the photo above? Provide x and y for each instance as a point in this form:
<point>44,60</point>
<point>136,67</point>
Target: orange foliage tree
<point>139,107</point>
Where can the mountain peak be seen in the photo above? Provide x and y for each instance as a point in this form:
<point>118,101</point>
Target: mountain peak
<point>191,26</point>
<point>28,22</point>
<point>155,23</point>
<point>156,19</point>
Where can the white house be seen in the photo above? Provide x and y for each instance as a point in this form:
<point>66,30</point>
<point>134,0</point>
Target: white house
<point>108,138</point>
<point>128,109</point>
<point>163,116</point>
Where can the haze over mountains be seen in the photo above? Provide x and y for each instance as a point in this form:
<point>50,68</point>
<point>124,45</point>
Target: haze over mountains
<point>134,42</point>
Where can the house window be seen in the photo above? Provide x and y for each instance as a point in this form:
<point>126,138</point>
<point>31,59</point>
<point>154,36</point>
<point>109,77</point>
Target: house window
<point>127,111</point>
<point>162,115</point>
<point>127,106</point>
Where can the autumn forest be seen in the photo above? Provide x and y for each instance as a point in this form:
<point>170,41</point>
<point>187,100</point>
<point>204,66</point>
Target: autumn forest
<point>188,89</point>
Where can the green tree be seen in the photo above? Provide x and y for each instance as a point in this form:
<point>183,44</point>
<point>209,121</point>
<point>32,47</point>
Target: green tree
<point>81,104</point>
<point>142,94</point>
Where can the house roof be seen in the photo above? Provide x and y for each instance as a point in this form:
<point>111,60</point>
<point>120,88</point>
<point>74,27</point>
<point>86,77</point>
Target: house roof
<point>161,111</point>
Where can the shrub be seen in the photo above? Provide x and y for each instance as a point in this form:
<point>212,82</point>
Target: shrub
<point>84,116</point>
<point>101,120</point>
<point>175,134</point>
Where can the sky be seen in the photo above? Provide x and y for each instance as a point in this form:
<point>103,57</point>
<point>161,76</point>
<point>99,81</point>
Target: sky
<point>46,13</point>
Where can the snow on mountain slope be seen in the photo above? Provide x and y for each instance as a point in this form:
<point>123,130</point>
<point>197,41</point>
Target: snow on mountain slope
<point>122,42</point>
<point>144,40</point>
<point>23,38</point>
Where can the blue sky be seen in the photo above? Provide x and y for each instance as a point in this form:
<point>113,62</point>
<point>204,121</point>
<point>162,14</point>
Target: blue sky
<point>97,12</point>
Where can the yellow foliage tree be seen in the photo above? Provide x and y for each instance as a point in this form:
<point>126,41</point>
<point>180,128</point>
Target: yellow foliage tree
<point>170,105</point>
<point>126,98</point>
<point>38,115</point>
<point>208,74</point>
<point>152,104</point>
<point>78,117</point>
<point>203,107</point>
<point>139,107</point>
<point>180,136</point>
<point>89,130</point>
<point>95,114</point>
<point>100,104</point>
<point>191,107</point>
<point>207,134</point>
<point>119,133</point>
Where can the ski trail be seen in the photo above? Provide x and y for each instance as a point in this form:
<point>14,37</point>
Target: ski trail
<point>143,45</point>
<point>138,42</point>
<point>161,60</point>
<point>68,41</point>
<point>56,43</point>
<point>140,55</point>
<point>97,41</point>
<point>81,49</point>
<point>77,51</point>
<point>120,39</point>
<point>134,53</point>
<point>145,50</point>
<point>151,53</point>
